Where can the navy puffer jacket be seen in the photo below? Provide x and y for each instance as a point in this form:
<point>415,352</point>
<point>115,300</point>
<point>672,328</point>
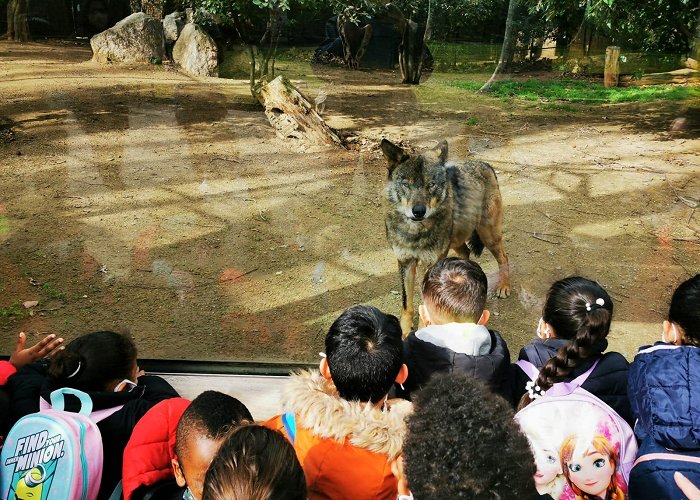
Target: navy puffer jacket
<point>664,390</point>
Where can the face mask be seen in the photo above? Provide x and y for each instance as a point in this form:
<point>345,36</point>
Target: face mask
<point>125,385</point>
<point>542,333</point>
<point>675,335</point>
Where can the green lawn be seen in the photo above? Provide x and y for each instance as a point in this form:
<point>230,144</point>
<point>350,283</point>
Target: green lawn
<point>581,91</point>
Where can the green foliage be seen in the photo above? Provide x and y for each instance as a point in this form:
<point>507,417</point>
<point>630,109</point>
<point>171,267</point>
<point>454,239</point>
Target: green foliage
<point>580,91</point>
<point>649,25</point>
<point>52,292</point>
<point>14,311</point>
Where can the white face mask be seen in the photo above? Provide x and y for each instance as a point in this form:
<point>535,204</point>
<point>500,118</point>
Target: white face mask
<point>675,335</point>
<point>542,332</point>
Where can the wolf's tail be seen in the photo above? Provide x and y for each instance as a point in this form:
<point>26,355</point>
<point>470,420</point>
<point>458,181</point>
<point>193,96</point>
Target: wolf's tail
<point>475,244</point>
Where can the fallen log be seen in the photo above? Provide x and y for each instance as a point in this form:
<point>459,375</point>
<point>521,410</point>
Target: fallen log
<point>292,115</point>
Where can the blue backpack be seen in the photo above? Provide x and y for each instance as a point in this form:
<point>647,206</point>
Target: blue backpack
<point>54,454</point>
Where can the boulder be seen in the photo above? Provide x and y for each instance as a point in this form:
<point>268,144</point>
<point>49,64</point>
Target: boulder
<point>137,38</point>
<point>172,26</point>
<point>195,51</point>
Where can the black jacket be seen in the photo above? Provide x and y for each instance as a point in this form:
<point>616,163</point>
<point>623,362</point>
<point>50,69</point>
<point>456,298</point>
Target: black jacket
<point>423,359</point>
<point>607,382</point>
<point>30,383</point>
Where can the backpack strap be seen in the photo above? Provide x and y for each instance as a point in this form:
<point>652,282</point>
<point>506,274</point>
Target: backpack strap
<point>561,388</point>
<point>58,402</point>
<point>290,426</point>
<point>666,456</point>
<point>581,379</point>
<point>529,369</point>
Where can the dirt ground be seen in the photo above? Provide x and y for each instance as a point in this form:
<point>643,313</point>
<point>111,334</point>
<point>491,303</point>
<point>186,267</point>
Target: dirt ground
<point>140,198</point>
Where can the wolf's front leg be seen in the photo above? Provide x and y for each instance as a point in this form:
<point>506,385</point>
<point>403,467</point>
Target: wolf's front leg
<point>407,270</point>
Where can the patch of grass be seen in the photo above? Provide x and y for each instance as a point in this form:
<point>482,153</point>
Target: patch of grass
<point>52,292</point>
<point>472,121</point>
<point>14,311</point>
<point>4,225</point>
<point>579,91</point>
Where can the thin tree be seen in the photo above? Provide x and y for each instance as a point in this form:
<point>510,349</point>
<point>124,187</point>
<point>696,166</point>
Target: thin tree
<point>508,48</point>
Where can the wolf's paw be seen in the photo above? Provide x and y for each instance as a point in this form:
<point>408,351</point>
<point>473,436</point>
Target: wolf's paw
<point>503,291</point>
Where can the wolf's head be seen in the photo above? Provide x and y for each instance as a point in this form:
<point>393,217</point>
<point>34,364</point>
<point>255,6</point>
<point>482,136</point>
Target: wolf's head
<point>417,184</point>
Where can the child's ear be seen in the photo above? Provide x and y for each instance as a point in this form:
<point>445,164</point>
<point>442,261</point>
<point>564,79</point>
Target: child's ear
<point>424,314</point>
<point>485,316</point>
<point>177,470</point>
<point>324,369</point>
<point>402,375</point>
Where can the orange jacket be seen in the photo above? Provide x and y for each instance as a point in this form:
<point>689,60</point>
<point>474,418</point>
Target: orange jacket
<point>344,447</point>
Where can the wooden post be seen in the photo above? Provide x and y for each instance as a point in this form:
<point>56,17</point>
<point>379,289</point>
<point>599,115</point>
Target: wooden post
<point>612,66</point>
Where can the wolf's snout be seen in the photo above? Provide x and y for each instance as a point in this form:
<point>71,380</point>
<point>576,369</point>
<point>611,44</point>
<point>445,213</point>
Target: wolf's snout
<point>419,212</point>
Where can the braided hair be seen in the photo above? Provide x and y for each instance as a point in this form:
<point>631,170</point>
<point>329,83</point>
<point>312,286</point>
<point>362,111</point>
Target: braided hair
<point>685,310</point>
<point>579,310</point>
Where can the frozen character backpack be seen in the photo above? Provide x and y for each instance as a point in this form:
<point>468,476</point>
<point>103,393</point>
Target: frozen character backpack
<point>664,389</point>
<point>54,454</point>
<point>583,449</point>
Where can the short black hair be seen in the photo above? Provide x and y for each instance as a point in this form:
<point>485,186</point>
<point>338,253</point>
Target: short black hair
<point>462,442</point>
<point>456,288</point>
<point>364,352</point>
<point>212,414</point>
<point>255,463</point>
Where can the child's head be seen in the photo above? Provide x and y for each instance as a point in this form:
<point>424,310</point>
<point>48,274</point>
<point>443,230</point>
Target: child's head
<point>98,361</point>
<point>590,467</point>
<point>255,463</point>
<point>364,354</point>
<point>200,431</point>
<point>683,324</point>
<point>454,291</point>
<point>579,310</point>
<point>462,442</point>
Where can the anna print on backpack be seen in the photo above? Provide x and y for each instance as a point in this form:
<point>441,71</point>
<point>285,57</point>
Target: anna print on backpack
<point>590,467</point>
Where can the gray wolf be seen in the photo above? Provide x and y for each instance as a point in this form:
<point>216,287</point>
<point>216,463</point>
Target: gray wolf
<point>435,206</point>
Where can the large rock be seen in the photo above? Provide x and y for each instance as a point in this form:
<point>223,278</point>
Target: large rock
<point>195,52</point>
<point>135,39</point>
<point>172,26</point>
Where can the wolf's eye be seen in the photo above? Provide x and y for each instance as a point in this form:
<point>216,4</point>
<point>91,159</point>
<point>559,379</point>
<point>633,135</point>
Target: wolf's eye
<point>431,185</point>
<point>404,182</point>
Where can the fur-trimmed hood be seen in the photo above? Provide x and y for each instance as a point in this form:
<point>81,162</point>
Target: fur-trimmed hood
<point>319,408</point>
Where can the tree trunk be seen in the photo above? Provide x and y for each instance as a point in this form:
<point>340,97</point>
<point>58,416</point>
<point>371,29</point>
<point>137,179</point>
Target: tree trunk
<point>292,115</point>
<point>508,47</point>
<point>413,47</point>
<point>17,21</point>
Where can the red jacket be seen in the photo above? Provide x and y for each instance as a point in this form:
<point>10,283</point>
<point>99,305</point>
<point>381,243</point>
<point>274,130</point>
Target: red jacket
<point>7,369</point>
<point>344,447</point>
<point>148,455</point>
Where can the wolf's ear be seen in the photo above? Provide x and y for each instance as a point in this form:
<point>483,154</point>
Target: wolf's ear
<point>441,151</point>
<point>394,154</point>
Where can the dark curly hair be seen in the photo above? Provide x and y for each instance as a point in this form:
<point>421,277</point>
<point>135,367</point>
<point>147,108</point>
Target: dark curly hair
<point>580,310</point>
<point>91,361</point>
<point>685,310</point>
<point>462,442</point>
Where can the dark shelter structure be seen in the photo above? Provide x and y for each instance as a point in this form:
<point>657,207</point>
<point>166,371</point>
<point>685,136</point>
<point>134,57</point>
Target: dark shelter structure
<point>382,51</point>
<point>62,18</point>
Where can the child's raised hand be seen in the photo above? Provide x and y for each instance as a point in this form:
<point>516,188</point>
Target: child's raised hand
<point>45,348</point>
